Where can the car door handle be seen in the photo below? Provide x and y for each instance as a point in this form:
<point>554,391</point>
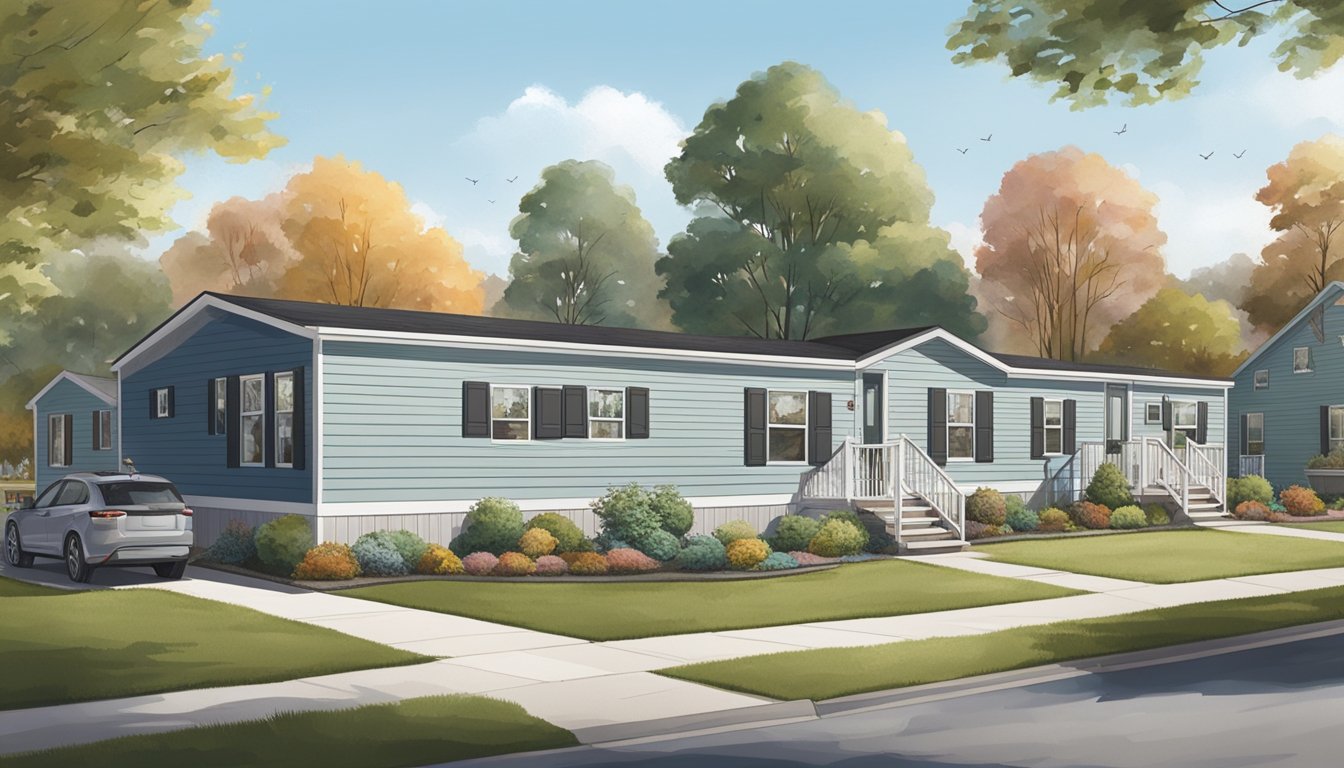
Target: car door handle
<point>44,513</point>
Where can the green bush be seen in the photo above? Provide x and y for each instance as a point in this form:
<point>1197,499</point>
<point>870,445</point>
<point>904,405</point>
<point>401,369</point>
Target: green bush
<point>851,517</point>
<point>568,537</point>
<point>702,553</point>
<point>234,545</point>
<point>675,514</point>
<point>793,533</point>
<point>986,506</point>
<point>1019,517</point>
<point>1248,488</point>
<point>1157,514</point>
<point>627,514</point>
<point>492,525</point>
<point>660,545</point>
<point>1053,520</point>
<point>1331,460</point>
<point>378,556</point>
<point>838,537</point>
<point>1109,488</point>
<point>409,545</point>
<point>282,542</point>
<point>733,530</point>
<point>1129,517</point>
<point>777,561</point>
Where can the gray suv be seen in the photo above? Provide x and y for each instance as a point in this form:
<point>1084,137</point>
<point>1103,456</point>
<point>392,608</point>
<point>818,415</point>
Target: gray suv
<point>93,519</point>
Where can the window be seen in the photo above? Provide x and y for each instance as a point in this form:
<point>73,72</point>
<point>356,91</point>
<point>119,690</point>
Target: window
<point>1255,434</point>
<point>1184,422</point>
<point>1302,360</point>
<point>219,397</point>
<point>74,492</point>
<point>1336,427</point>
<point>56,440</point>
<point>1262,379</point>
<point>102,430</point>
<point>510,413</point>
<point>786,422</point>
<point>284,419</point>
<point>960,425</point>
<point>1054,427</point>
<point>48,497</point>
<point>161,399</point>
<point>606,414</point>
<point>252,420</point>
<point>1152,413</point>
<point>139,493</point>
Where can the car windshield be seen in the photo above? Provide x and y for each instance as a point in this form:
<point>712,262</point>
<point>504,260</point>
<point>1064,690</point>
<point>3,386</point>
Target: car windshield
<point>140,493</point>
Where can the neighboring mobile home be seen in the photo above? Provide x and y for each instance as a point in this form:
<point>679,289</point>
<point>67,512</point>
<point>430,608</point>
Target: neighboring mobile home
<point>1288,402</point>
<point>366,419</point>
<point>74,426</point>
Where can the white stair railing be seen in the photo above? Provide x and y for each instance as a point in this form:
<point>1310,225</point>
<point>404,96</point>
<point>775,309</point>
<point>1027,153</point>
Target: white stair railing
<point>831,480</point>
<point>1166,471</point>
<point>922,476</point>
<point>1208,467</point>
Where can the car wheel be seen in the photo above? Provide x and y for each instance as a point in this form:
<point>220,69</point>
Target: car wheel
<point>14,554</point>
<point>76,567</point>
<point>171,570</point>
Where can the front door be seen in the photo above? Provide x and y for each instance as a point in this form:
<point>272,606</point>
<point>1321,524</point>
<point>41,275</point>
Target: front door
<point>1117,416</point>
<point>874,405</point>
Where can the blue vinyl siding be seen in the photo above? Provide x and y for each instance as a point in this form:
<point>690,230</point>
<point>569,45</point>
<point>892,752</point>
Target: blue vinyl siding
<point>180,448</point>
<point>393,425</point>
<point>68,397</point>
<point>1291,405</point>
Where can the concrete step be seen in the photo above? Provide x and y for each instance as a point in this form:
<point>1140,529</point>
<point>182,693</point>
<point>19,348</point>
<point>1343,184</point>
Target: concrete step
<point>933,547</point>
<point>1203,506</point>
<point>915,523</point>
<point>1201,516</point>
<point>925,534</point>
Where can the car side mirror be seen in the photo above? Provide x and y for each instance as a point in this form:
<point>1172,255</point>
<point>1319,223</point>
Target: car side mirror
<point>26,502</point>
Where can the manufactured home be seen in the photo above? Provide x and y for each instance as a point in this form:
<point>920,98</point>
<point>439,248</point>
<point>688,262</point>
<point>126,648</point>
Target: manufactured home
<point>364,419</point>
<point>74,427</point>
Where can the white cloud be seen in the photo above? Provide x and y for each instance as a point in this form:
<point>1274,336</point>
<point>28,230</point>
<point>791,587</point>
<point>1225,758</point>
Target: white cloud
<point>1291,102</point>
<point>965,239</point>
<point>431,217</point>
<point>1206,224</point>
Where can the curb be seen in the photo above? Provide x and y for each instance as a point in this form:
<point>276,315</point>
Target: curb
<point>685,725</point>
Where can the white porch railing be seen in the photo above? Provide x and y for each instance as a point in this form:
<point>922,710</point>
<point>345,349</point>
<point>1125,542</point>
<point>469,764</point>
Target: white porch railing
<point>1251,465</point>
<point>1147,463</point>
<point>1164,470</point>
<point>830,480</point>
<point>923,477</point>
<point>1208,467</point>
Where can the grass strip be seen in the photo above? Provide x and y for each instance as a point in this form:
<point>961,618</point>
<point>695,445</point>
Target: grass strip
<point>13,588</point>
<point>1333,526</point>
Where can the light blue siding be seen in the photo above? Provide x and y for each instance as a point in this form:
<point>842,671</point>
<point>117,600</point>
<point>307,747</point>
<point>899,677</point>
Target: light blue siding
<point>69,397</point>
<point>1291,405</point>
<point>180,448</point>
<point>393,425</point>
<point>1143,394</point>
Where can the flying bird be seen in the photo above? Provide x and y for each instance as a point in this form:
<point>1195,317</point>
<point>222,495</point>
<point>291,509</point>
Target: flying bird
<point>962,151</point>
<point>492,202</point>
<point>987,138</point>
<point>1206,157</point>
<point>473,181</point>
<point>1123,128</point>
<point>515,178</point>
<point>1238,155</point>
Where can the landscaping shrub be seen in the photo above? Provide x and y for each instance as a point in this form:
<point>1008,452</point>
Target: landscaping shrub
<point>702,553</point>
<point>568,537</point>
<point>1301,502</point>
<point>1275,506</point>
<point>439,560</point>
<point>807,558</point>
<point>588,564</point>
<point>880,543</point>
<point>492,525</point>
<point>1109,488</point>
<point>733,530</point>
<point>660,545</point>
<point>1000,530</point>
<point>627,514</point>
<point>1019,517</point>
<point>1053,520</point>
<point>1249,488</point>
<point>605,543</point>
<point>514,564</point>
<point>1331,460</point>
<point>570,557</point>
<point>1157,514</point>
<point>976,530</point>
<point>282,542</point>
<point>536,542</point>
<point>327,561</point>
<point>1087,514</point>
<point>794,532</point>
<point>986,506</point>
<point>378,556</point>
<point>1128,517</point>
<point>234,545</point>
<point>550,565</point>
<point>1251,510</point>
<point>777,561</point>
<point>630,561</point>
<point>675,514</point>
<point>745,554</point>
<point>409,545</point>
<point>837,538</point>
<point>480,563</point>
<point>851,517</point>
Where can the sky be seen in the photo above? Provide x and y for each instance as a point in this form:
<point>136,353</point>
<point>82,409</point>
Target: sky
<point>429,93</point>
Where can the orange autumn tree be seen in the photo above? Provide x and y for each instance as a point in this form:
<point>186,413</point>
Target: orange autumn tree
<point>243,250</point>
<point>1070,247</point>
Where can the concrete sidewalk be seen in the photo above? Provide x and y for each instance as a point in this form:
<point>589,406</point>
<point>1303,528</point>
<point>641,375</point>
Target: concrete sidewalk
<point>1281,530</point>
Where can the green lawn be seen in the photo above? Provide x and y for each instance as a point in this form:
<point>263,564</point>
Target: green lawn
<point>1168,557</point>
<point>1334,526</point>
<point>413,732</point>
<point>828,673</point>
<point>623,610</point>
<point>12,588</point>
<point>102,644</point>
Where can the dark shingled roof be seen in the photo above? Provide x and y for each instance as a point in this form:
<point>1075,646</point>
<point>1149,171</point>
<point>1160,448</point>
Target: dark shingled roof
<point>1045,363</point>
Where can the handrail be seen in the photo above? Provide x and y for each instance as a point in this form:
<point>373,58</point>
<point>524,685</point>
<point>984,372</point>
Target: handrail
<point>1167,470</point>
<point>1068,473</point>
<point>922,475</point>
<point>1208,467</point>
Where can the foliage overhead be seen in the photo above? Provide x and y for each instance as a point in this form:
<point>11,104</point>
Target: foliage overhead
<point>1176,331</point>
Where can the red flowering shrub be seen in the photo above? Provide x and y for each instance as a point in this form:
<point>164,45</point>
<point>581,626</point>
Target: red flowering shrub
<point>1089,515</point>
<point>479,563</point>
<point>550,565</point>
<point>1251,510</point>
<point>630,561</point>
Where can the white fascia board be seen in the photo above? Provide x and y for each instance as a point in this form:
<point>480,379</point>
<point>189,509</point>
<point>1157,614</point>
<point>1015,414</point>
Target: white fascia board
<point>198,306</point>
<point>73,379</point>
<point>1328,292</point>
<point>250,505</point>
<point>318,418</point>
<point>459,506</point>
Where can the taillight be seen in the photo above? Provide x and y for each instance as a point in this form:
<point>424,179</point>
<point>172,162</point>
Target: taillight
<point>103,514</point>
<point>186,512</point>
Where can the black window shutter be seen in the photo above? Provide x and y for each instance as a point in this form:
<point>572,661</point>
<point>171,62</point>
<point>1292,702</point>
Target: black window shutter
<point>1037,427</point>
<point>210,406</point>
<point>984,426</point>
<point>1245,434</point>
<point>1202,422</point>
<point>475,409</point>
<point>1325,430</point>
<point>300,422</point>
<point>153,403</point>
<point>268,417</point>
<point>937,442</point>
<point>637,413</point>
<point>231,416</point>
<point>547,416</point>
<point>1070,427</point>
<point>172,407</point>
<point>97,430</point>
<point>754,428</point>
<point>576,411</point>
<point>819,428</point>
<point>69,439</point>
<point>1166,413</point>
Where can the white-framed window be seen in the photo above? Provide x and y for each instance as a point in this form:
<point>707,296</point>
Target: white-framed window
<point>1152,413</point>
<point>510,412</point>
<point>1336,427</point>
<point>960,426</point>
<point>1262,378</point>
<point>786,422</point>
<point>252,420</point>
<point>161,403</point>
<point>102,436</point>
<point>1184,422</point>
<point>1302,360</point>
<point>284,419</point>
<point>1255,434</point>
<point>606,414</point>
<point>219,403</point>
<point>56,440</point>
<point>1054,427</point>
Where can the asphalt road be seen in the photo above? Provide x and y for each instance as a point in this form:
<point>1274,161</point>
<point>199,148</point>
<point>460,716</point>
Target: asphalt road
<point>1277,706</point>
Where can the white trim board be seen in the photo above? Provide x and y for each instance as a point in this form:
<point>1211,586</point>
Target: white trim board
<point>370,508</point>
<point>251,505</point>
<point>78,380</point>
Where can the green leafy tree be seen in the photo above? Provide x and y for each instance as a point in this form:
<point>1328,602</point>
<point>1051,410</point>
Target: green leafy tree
<point>1176,331</point>
<point>16,423</point>
<point>585,253</point>
<point>811,213</point>
<point>1140,52</point>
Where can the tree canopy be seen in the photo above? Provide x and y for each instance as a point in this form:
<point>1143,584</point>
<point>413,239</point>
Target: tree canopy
<point>1176,331</point>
